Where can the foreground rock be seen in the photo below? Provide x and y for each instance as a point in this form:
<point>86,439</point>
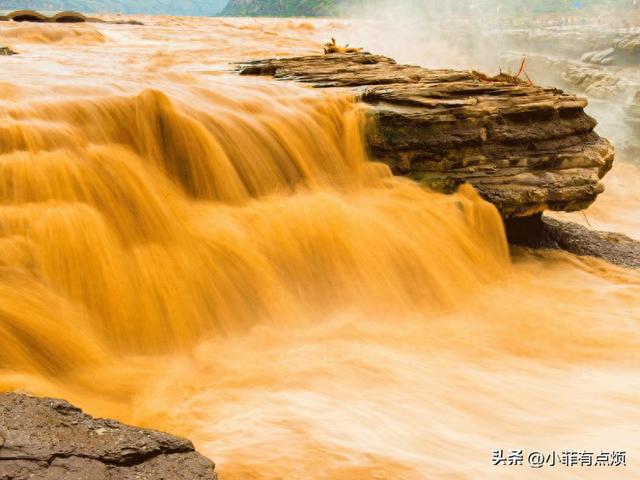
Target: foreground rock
<point>543,232</point>
<point>43,438</point>
<point>6,51</point>
<point>525,148</point>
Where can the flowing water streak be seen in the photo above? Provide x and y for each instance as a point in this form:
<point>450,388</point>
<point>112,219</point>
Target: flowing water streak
<point>219,258</point>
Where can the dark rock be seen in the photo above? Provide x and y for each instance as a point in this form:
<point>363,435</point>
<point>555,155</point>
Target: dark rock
<point>525,148</point>
<point>44,438</point>
<point>539,231</point>
<point>124,22</point>
<point>6,51</point>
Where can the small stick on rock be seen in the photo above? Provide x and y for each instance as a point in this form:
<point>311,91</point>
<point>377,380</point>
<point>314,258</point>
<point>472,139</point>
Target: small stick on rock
<point>332,47</point>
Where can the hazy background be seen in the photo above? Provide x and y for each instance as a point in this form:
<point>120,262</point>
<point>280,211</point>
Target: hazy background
<point>309,7</point>
<point>169,7</point>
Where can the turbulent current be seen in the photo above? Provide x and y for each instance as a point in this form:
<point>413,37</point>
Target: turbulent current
<point>215,256</point>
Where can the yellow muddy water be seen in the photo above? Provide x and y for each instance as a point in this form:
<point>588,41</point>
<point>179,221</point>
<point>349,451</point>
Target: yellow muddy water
<point>215,256</point>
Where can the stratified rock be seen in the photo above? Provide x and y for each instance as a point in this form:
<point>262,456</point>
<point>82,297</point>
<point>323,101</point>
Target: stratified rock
<point>613,92</point>
<point>525,148</point>
<point>6,51</point>
<point>44,438</point>
<point>540,231</point>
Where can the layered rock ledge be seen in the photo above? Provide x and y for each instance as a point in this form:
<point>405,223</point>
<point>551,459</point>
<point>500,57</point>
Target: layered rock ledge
<point>48,439</point>
<point>525,148</point>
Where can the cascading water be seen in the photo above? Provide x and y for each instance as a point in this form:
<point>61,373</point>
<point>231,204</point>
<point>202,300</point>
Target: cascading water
<point>217,257</point>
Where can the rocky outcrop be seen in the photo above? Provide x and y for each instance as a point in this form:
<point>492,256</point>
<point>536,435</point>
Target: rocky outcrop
<point>525,148</point>
<point>609,45</point>
<point>47,439</point>
<point>539,231</point>
<point>623,52</point>
<point>613,90</point>
<point>6,51</point>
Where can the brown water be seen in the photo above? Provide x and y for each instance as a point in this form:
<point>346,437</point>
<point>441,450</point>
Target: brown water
<point>215,256</point>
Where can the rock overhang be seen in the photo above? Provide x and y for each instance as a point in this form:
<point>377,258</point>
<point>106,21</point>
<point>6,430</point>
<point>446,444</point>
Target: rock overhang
<point>525,148</point>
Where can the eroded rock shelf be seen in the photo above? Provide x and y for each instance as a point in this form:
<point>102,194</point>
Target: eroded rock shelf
<point>525,148</point>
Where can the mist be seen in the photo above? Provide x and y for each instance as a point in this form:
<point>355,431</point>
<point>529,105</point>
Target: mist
<point>586,48</point>
<point>551,37</point>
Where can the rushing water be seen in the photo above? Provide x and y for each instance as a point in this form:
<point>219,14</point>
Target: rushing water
<point>216,256</point>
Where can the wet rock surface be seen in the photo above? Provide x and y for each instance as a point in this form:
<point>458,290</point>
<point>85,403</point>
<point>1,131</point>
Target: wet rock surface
<point>539,231</point>
<point>525,148</point>
<point>44,438</point>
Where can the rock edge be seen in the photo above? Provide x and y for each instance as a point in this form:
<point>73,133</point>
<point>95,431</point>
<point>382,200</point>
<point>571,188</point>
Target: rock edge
<point>50,439</point>
<point>525,148</point>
